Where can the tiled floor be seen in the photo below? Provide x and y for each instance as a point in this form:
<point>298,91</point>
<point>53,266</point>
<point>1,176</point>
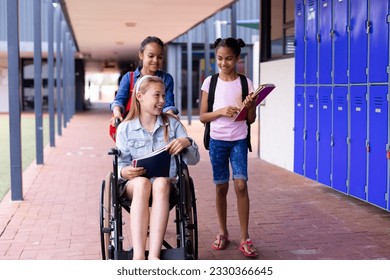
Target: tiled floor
<point>291,218</point>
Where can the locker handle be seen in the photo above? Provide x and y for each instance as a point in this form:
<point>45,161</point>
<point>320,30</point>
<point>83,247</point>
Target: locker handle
<point>388,154</point>
<point>368,148</point>
<point>368,26</point>
<point>331,33</point>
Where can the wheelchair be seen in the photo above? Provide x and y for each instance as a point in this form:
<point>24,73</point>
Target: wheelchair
<point>182,199</point>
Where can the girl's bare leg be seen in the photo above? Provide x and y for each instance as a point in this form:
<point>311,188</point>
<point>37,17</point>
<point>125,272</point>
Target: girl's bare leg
<point>241,190</point>
<point>139,190</point>
<point>221,204</point>
<point>158,216</point>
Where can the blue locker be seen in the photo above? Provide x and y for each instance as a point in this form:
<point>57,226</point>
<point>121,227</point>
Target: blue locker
<point>358,149</point>
<point>379,41</point>
<point>310,132</point>
<point>325,42</point>
<point>311,42</point>
<point>339,139</point>
<point>358,41</point>
<point>299,42</point>
<point>378,136</point>
<point>340,41</point>
<point>324,135</point>
<point>299,120</point>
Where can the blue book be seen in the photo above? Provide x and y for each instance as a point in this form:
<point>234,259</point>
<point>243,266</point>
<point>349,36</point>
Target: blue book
<point>156,163</point>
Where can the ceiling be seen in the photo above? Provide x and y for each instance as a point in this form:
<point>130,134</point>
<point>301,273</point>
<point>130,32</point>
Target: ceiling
<point>110,31</point>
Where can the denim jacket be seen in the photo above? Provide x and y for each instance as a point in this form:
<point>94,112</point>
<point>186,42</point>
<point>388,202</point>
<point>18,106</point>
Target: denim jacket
<point>122,95</point>
<point>134,141</point>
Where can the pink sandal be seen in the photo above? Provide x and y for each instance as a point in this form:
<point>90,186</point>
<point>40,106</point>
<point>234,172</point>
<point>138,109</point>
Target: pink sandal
<point>251,250</point>
<point>221,242</point>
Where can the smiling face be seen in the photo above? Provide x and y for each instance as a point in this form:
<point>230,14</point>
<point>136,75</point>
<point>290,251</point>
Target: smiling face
<point>226,60</point>
<point>151,98</point>
<point>152,58</point>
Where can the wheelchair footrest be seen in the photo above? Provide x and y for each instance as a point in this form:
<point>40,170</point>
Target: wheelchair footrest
<point>166,254</point>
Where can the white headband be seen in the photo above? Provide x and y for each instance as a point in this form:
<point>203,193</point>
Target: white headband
<point>140,81</point>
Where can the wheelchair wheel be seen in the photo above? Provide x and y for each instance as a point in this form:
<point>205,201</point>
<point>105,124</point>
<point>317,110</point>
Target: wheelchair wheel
<point>105,218</point>
<point>190,219</point>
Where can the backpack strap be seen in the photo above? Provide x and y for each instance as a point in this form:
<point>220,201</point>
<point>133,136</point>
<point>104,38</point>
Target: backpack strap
<point>131,78</point>
<point>244,85</point>
<point>211,95</point>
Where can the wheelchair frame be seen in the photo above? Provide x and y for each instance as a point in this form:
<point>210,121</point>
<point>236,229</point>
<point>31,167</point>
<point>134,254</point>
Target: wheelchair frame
<point>111,233</point>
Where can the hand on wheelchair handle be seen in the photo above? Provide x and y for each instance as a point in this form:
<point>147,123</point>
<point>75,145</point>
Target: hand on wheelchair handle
<point>117,122</point>
<point>116,118</point>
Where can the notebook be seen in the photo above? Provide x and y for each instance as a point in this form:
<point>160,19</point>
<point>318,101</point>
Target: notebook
<point>157,163</point>
<point>261,92</point>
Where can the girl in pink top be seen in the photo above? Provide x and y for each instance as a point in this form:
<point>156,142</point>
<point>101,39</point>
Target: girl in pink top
<point>228,140</point>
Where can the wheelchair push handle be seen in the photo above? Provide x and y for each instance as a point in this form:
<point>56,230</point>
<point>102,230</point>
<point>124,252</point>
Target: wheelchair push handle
<point>114,152</point>
<point>117,122</point>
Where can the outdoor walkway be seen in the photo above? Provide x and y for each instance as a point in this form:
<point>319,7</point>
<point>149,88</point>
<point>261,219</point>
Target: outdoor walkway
<point>291,217</point>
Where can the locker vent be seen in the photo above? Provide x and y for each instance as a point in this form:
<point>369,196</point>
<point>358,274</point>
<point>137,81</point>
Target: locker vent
<point>325,99</point>
<point>311,3</point>
<point>358,100</point>
<point>299,9</point>
<point>311,98</point>
<point>340,100</point>
<point>378,101</point>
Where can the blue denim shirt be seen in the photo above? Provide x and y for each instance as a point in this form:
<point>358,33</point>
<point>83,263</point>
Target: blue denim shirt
<point>122,95</point>
<point>134,142</point>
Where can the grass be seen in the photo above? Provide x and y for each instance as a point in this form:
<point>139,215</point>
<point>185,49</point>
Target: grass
<point>28,146</point>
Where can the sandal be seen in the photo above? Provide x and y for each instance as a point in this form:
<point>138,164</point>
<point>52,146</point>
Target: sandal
<point>220,242</point>
<point>248,249</point>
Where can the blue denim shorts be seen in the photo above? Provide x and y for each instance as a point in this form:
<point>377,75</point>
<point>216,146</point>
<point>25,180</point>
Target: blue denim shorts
<point>221,152</point>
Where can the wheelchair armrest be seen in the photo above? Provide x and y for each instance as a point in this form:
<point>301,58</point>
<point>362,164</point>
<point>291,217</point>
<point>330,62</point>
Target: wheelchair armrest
<point>114,152</point>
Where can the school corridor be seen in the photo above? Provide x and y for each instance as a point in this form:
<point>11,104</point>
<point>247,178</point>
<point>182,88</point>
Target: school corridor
<point>292,217</point>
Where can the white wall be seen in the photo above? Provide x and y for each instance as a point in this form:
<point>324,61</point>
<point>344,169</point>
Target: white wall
<point>277,114</point>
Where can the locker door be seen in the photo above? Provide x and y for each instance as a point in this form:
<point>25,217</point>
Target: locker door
<point>299,42</point>
<point>339,139</point>
<point>377,162</point>
<point>325,43</point>
<point>299,119</point>
<point>311,42</point>
<point>340,41</point>
<point>358,41</point>
<point>378,41</point>
<point>324,135</point>
<point>358,150</point>
<point>311,131</point>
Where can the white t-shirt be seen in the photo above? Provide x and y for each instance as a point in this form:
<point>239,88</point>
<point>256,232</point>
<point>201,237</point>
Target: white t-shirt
<point>227,93</point>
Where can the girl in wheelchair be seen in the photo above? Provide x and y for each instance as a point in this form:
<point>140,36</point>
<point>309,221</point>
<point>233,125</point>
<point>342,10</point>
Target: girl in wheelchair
<point>144,130</point>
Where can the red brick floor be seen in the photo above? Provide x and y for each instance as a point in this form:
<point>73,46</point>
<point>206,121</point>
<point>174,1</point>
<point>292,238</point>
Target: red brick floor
<point>292,217</point>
